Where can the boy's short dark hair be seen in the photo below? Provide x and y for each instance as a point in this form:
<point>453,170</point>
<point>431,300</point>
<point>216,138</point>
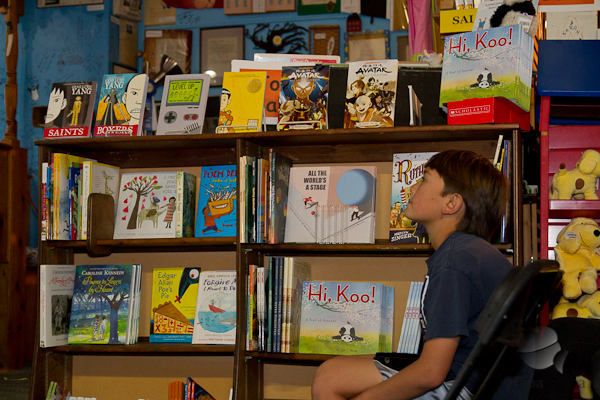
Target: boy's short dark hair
<point>483,188</point>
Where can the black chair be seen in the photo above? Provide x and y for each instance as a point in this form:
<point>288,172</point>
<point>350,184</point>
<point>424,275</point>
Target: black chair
<point>512,310</point>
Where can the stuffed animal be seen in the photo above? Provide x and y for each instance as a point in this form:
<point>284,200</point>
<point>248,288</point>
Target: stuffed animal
<point>508,10</point>
<point>579,257</point>
<point>587,306</point>
<point>578,183</point>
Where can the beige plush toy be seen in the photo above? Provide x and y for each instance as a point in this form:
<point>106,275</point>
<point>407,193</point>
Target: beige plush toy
<point>578,254</point>
<point>579,183</point>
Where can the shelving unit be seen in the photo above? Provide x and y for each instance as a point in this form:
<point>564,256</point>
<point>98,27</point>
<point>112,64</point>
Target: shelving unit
<point>250,370</point>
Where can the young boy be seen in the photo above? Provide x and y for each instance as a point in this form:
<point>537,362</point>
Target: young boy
<point>460,201</point>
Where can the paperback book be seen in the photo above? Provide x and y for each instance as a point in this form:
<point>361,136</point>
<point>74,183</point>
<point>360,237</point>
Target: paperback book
<point>156,205</point>
<point>174,293</point>
<point>215,317</point>
<point>279,183</point>
<point>217,202</point>
<point>70,110</point>
<point>121,106</point>
<point>331,204</point>
<point>56,293</point>
<point>345,318</point>
<point>371,94</point>
<point>407,170</point>
<point>242,102</point>
<point>410,336</point>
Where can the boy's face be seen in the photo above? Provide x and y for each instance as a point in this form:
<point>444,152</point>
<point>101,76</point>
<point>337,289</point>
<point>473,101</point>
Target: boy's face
<point>426,200</point>
<point>133,98</point>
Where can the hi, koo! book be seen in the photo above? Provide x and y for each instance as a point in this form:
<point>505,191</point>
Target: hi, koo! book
<point>174,293</point>
<point>494,62</point>
<point>217,202</point>
<point>70,110</point>
<point>345,318</point>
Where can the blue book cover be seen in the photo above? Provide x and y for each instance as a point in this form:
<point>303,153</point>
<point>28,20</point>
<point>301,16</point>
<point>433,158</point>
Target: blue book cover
<point>217,202</point>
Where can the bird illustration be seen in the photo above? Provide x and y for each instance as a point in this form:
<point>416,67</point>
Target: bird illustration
<point>189,277</point>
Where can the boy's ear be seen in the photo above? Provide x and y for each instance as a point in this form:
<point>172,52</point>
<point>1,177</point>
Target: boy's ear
<point>454,203</point>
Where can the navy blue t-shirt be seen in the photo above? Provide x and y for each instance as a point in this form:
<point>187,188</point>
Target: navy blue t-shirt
<point>462,274</point>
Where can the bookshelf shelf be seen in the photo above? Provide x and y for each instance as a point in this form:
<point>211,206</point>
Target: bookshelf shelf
<point>144,347</point>
<point>574,208</point>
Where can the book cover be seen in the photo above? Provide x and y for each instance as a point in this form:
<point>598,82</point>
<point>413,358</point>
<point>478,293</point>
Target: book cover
<point>303,97</point>
<point>279,182</point>
<point>183,104</point>
<point>331,204</point>
<point>407,170</point>
<point>494,62</point>
<point>215,310</point>
<point>174,294</point>
<point>148,205</point>
<point>56,293</point>
<point>101,304</point>
<point>572,25</point>
<point>97,178</point>
<point>196,392</point>
<point>70,110</point>
<point>121,105</point>
<point>371,94</point>
<point>342,318</point>
<point>217,202</point>
<point>299,273</point>
<point>242,102</point>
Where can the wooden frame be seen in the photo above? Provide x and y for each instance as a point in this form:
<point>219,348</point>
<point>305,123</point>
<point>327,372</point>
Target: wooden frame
<point>399,45</point>
<point>306,7</point>
<point>213,57</point>
<point>366,45</point>
<point>324,39</point>
<point>118,68</point>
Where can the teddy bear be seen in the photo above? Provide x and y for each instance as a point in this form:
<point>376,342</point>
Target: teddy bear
<point>578,183</point>
<point>506,13</point>
<point>579,257</point>
<point>587,306</point>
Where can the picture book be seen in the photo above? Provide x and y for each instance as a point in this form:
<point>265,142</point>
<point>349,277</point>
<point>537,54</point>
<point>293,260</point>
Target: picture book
<point>215,318</point>
<point>494,62</point>
<point>279,182</point>
<point>242,102</point>
<point>196,392</point>
<point>407,170</point>
<point>331,204</point>
<point>217,202</point>
<point>296,273</point>
<point>100,310</point>
<point>183,104</point>
<point>156,205</point>
<point>371,94</point>
<point>70,110</point>
<point>174,293</point>
<point>56,293</point>
<point>303,97</point>
<point>97,178</point>
<point>344,317</point>
<point>121,105</point>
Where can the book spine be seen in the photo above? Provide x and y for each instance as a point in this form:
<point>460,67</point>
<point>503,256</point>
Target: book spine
<point>285,325</point>
<point>260,290</point>
<point>44,224</point>
<point>179,231</point>
<point>86,184</point>
<point>277,306</point>
<point>254,180</point>
<point>43,305</point>
<point>403,333</point>
<point>270,306</point>
<point>241,198</point>
<point>263,199</point>
<point>417,331</point>
<point>271,199</point>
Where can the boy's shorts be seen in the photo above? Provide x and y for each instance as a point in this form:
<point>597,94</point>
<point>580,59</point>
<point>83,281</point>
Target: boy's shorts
<point>389,365</point>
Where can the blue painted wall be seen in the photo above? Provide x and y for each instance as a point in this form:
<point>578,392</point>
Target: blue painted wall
<point>73,44</point>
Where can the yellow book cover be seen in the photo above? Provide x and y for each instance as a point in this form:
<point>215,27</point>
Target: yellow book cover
<point>174,293</point>
<point>242,102</point>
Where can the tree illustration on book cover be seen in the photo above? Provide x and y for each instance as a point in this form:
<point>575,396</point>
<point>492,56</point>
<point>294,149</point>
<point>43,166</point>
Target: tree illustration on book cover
<point>100,306</point>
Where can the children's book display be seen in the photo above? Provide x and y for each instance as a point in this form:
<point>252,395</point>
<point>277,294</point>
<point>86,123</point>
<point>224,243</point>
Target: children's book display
<point>174,293</point>
<point>121,105</point>
<point>410,337</point>
<point>346,318</point>
<point>96,178</point>
<point>371,94</point>
<point>494,62</point>
<point>331,204</point>
<point>303,97</point>
<point>242,102</point>
<point>156,205</point>
<point>215,317</point>
<point>70,110</point>
<point>56,293</point>
<point>105,305</point>
<point>217,202</point>
<point>183,104</point>
<point>407,170</point>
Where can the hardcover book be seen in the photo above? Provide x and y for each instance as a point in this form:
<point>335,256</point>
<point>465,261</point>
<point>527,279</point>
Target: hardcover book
<point>70,110</point>
<point>303,97</point>
<point>56,293</point>
<point>156,205</point>
<point>407,170</point>
<point>174,294</point>
<point>371,94</point>
<point>217,202</point>
<point>494,62</point>
<point>61,195</point>
<point>101,307</point>
<point>331,204</point>
<point>279,182</point>
<point>97,178</point>
<point>344,318</point>
<point>215,318</point>
<point>242,102</point>
<point>121,105</point>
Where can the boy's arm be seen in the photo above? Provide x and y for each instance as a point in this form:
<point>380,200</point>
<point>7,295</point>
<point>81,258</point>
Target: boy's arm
<point>427,373</point>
